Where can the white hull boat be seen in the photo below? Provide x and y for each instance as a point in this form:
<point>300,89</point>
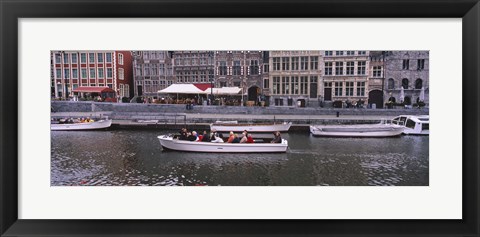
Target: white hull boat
<point>223,127</point>
<point>361,130</point>
<point>413,125</point>
<point>171,143</point>
<point>81,126</point>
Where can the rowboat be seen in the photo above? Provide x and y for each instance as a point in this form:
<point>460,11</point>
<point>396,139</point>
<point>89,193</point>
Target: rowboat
<point>81,126</point>
<point>360,130</point>
<point>168,142</point>
<point>238,127</point>
<point>413,125</point>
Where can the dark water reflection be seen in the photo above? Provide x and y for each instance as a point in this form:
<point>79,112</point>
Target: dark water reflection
<point>133,157</point>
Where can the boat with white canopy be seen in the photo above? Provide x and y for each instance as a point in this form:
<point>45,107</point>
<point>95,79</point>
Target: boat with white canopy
<point>413,124</point>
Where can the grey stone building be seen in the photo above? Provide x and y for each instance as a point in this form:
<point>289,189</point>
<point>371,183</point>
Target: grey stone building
<point>152,71</point>
<point>408,70</point>
<point>193,66</point>
<point>294,78</point>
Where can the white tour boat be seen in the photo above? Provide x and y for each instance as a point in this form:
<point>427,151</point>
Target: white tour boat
<point>238,127</point>
<point>359,130</point>
<point>81,126</point>
<point>413,124</point>
<point>170,143</point>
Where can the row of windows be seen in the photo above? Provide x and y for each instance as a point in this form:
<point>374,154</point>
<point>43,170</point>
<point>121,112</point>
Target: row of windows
<point>420,64</point>
<point>342,53</point>
<point>153,70</point>
<point>405,84</point>
<point>296,85</point>
<point>236,69</point>
<point>347,88</point>
<point>153,82</point>
<point>100,58</point>
<point>92,73</point>
<point>193,61</point>
<point>295,63</point>
<point>345,68</point>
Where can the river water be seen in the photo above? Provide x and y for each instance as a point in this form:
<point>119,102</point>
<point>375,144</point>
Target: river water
<point>135,158</point>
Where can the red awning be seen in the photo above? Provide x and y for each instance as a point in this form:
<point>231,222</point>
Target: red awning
<point>93,89</point>
<point>203,86</point>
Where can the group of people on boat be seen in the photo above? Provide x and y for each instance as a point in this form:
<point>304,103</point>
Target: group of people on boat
<point>75,120</point>
<point>216,137</point>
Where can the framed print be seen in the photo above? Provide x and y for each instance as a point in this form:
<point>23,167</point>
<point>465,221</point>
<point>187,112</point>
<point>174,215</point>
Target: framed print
<point>137,73</point>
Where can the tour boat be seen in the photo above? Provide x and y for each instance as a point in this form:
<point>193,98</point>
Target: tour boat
<point>413,124</point>
<point>359,130</point>
<point>238,127</point>
<point>171,143</point>
<point>81,126</point>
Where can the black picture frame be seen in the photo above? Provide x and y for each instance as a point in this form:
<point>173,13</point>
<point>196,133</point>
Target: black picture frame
<point>12,10</point>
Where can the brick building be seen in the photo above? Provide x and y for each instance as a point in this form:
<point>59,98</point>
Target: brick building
<point>153,71</point>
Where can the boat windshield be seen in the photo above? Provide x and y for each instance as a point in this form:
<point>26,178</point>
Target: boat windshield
<point>425,126</point>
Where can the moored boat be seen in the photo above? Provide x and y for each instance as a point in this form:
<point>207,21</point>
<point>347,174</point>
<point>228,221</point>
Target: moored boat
<point>238,127</point>
<point>413,124</point>
<point>100,124</point>
<point>170,143</point>
<point>359,130</point>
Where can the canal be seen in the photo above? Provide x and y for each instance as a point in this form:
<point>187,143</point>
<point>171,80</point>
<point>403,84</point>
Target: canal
<point>135,158</point>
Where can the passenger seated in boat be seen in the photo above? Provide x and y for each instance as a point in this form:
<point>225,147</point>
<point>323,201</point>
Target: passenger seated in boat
<point>249,138</point>
<point>244,137</point>
<point>278,138</point>
<point>231,137</point>
<point>205,137</point>
<point>192,136</point>
<point>183,134</point>
<point>235,139</point>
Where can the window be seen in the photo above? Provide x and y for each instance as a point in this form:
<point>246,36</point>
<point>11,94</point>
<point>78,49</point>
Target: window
<point>285,85</point>
<point>223,68</point>
<point>349,88</point>
<point>328,53</point>
<point>295,63</point>
<point>303,63</point>
<point>276,64</point>
<point>421,64</point>
<point>65,58</point>
<point>58,58</point>
<point>84,73</point>
<point>59,73</point>
<point>405,83</point>
<point>418,83</point>
<point>328,68</point>
<point>362,52</point>
<point>121,75</point>
<point>314,63</point>
<point>120,59</point>
<point>295,86</point>
<point>83,58</point>
<point>377,71</point>
<point>236,83</point>
<point>285,63</point>
<point>360,88</point>
<point>74,58</point>
<point>276,85</point>
<point>91,58</point>
<point>66,73</point>
<point>339,53</point>
<point>265,68</point>
<point>223,84</point>
<point>266,83</point>
<point>391,84</point>
<point>254,70</point>
<point>361,65</point>
<point>100,73</point>
<point>74,73</point>
<point>236,68</point>
<point>92,72</point>
<point>109,57</point>
<point>338,68</point>
<point>350,68</point>
<point>338,88</point>
<point>100,57</point>
<point>303,85</point>
<point>410,124</point>
<point>350,52</point>
<point>406,64</point>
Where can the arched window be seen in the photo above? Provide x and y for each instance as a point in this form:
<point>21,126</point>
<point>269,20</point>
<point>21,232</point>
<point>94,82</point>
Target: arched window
<point>391,84</point>
<point>418,83</point>
<point>405,83</point>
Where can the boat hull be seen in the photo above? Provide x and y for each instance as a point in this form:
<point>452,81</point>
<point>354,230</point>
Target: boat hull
<point>357,131</point>
<point>81,126</point>
<point>168,142</point>
<point>283,127</point>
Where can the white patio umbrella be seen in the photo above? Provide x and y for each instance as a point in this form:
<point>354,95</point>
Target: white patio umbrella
<point>402,94</point>
<point>421,97</point>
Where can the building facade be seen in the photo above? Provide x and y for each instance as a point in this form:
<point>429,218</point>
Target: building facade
<point>408,70</point>
<point>153,71</point>
<point>345,76</point>
<point>95,68</point>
